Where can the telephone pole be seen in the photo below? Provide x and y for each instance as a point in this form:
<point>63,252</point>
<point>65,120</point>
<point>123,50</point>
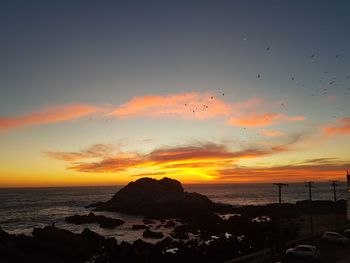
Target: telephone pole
<point>334,184</point>
<point>280,185</point>
<point>310,185</point>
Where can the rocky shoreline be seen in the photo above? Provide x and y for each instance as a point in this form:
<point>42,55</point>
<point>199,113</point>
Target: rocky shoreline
<point>198,229</point>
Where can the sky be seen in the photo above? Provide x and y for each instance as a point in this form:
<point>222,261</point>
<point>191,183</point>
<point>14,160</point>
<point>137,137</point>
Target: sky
<point>106,92</point>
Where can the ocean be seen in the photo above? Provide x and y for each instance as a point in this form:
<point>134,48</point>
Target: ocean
<point>23,209</point>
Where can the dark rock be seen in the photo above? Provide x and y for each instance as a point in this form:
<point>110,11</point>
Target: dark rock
<point>170,224</point>
<point>93,205</point>
<point>180,232</point>
<point>152,234</point>
<point>63,244</point>
<point>163,198</point>
<point>148,221</point>
<point>138,227</point>
<point>92,237</point>
<point>103,221</point>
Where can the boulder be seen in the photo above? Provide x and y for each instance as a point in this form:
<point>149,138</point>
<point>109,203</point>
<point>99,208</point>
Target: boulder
<point>163,198</point>
<point>103,221</point>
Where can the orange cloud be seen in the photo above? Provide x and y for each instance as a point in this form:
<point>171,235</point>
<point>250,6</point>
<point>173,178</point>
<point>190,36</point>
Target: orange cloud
<point>204,157</point>
<point>95,151</point>
<point>207,161</point>
<point>317,169</point>
<point>114,165</point>
<point>262,119</point>
<point>205,151</point>
<point>186,105</point>
<point>342,127</point>
<point>49,115</point>
<point>271,133</point>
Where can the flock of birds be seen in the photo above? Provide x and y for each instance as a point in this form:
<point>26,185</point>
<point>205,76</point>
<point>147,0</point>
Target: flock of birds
<point>329,82</point>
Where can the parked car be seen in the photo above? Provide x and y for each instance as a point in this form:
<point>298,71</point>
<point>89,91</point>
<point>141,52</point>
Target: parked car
<point>303,251</point>
<point>335,237</point>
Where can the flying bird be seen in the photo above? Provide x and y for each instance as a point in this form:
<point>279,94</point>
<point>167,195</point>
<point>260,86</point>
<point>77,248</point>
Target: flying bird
<point>268,48</point>
<point>312,56</point>
<point>258,76</point>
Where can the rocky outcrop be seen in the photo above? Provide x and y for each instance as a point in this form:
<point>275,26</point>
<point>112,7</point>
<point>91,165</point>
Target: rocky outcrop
<point>163,198</point>
<point>103,221</point>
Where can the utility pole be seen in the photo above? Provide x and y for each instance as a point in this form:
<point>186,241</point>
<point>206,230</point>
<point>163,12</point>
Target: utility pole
<point>334,184</point>
<point>280,185</point>
<point>310,185</point>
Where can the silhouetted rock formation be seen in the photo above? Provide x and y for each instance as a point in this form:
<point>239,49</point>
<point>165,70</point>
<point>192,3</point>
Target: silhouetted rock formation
<point>103,221</point>
<point>163,198</point>
<point>49,244</point>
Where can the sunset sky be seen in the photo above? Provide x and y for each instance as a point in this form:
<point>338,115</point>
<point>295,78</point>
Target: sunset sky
<point>106,92</point>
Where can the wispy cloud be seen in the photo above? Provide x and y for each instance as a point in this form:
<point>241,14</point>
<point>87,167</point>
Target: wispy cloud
<point>49,115</point>
<point>200,158</point>
<point>185,105</point>
<point>262,119</point>
<point>195,105</point>
<point>342,126</point>
<point>315,169</point>
<point>95,151</point>
<point>190,105</point>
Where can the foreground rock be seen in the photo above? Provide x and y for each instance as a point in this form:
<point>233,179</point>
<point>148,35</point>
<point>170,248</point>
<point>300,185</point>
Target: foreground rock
<point>103,221</point>
<point>163,198</point>
<point>217,241</point>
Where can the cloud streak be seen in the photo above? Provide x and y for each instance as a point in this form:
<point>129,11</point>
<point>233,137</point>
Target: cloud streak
<point>186,105</point>
<point>201,159</point>
<point>316,169</point>
<point>49,115</point>
<point>342,126</point>
<point>190,105</point>
<point>262,119</point>
<point>95,151</point>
